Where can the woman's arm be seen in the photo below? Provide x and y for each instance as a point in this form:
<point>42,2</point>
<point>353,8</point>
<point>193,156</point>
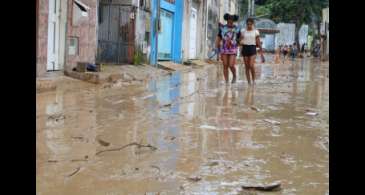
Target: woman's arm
<point>258,43</point>
<point>217,42</point>
<point>217,46</point>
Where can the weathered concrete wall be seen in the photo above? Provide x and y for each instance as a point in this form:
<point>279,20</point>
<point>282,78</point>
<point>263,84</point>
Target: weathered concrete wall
<point>86,34</point>
<point>326,19</point>
<point>303,34</point>
<point>42,36</point>
<point>286,35</point>
<point>142,26</point>
<point>212,25</point>
<point>227,6</point>
<point>200,28</point>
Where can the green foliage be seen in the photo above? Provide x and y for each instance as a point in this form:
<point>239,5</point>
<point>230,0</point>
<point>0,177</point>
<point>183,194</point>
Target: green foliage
<point>138,57</point>
<point>263,10</point>
<point>243,7</point>
<point>296,11</point>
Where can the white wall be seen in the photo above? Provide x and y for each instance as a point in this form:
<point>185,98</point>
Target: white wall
<point>303,34</point>
<point>286,34</point>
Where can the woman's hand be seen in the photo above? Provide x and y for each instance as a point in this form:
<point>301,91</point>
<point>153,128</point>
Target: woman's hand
<point>262,57</point>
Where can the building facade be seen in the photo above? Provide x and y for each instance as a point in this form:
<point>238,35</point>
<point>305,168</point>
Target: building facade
<point>126,31</point>
<point>66,33</point>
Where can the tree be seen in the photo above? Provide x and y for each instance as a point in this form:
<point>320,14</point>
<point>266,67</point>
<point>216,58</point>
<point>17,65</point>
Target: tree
<point>294,11</point>
<point>243,8</point>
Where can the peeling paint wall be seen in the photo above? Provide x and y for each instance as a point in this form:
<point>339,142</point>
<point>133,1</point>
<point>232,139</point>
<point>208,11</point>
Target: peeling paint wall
<point>200,28</point>
<point>85,32</point>
<point>42,36</point>
<point>142,36</point>
<point>212,25</point>
<point>326,20</point>
<point>210,12</point>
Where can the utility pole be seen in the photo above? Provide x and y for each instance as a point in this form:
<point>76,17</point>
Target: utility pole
<point>251,8</point>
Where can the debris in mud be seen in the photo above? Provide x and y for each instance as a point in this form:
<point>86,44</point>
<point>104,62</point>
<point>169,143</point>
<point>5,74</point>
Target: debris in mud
<point>272,122</point>
<point>152,193</point>
<point>77,160</point>
<point>324,143</point>
<point>103,143</point>
<point>311,113</point>
<point>73,173</point>
<point>194,179</point>
<point>213,163</point>
<point>207,127</point>
<point>269,187</point>
<point>255,108</point>
<point>57,117</point>
<point>171,138</point>
<point>246,192</point>
<point>153,148</point>
<point>78,137</point>
<point>166,105</point>
<point>156,167</point>
<point>188,62</point>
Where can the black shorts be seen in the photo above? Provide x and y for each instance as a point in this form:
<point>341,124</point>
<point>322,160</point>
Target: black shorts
<point>248,50</point>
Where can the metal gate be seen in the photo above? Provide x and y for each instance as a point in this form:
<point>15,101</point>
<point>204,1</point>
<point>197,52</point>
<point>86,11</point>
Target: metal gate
<point>115,33</point>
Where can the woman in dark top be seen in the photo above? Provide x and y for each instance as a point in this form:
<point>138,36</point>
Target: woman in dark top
<point>227,42</point>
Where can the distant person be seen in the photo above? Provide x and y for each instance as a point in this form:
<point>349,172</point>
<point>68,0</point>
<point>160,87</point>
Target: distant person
<point>306,50</point>
<point>294,51</point>
<point>285,52</point>
<point>302,54</point>
<point>250,40</point>
<point>277,55</point>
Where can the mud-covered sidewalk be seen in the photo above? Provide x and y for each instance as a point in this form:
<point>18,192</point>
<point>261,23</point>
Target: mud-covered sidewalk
<point>186,132</point>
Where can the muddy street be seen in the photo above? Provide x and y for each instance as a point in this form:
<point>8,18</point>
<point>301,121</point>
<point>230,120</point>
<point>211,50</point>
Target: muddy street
<point>187,133</point>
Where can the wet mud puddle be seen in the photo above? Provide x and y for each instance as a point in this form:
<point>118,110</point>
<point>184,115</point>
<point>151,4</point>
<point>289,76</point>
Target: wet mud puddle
<point>187,133</point>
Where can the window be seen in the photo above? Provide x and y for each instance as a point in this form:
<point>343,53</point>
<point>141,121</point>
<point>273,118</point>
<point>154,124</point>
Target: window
<point>73,46</point>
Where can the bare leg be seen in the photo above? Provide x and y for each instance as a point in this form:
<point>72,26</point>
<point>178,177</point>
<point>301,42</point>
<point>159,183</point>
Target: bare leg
<point>232,63</point>
<point>247,69</point>
<point>252,68</point>
<point>225,67</point>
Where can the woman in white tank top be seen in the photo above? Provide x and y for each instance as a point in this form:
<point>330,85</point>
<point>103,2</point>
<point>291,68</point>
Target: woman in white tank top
<point>250,39</point>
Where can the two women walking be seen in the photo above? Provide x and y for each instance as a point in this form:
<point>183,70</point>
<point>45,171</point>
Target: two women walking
<point>229,38</point>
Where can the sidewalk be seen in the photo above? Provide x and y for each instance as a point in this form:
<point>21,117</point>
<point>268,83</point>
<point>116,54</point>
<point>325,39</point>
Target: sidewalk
<point>49,81</point>
<point>112,73</point>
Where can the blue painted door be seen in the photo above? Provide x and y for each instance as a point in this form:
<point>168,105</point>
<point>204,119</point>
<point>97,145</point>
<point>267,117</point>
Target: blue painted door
<point>165,35</point>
